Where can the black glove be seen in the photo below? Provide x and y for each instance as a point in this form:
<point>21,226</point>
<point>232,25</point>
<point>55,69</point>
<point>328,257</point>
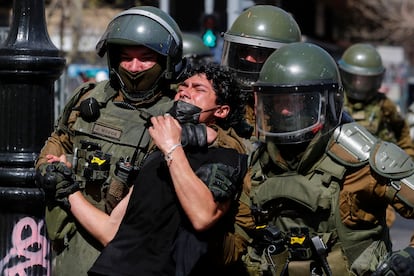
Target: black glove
<point>398,263</point>
<point>194,135</point>
<point>57,181</point>
<point>221,180</point>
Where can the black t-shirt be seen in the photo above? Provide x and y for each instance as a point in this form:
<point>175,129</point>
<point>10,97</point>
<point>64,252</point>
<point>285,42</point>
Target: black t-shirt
<point>144,243</point>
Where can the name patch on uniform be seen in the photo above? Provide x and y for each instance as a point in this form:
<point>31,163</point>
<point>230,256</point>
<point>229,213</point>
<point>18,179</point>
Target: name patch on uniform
<point>107,131</point>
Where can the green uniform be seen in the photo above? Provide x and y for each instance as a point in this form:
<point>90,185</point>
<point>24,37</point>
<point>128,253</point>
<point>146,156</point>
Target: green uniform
<point>362,72</point>
<point>325,209</point>
<point>96,146</point>
<point>103,129</point>
<point>382,118</point>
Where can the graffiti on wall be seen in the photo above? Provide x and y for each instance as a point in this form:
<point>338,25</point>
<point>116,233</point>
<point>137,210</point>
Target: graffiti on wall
<point>28,253</point>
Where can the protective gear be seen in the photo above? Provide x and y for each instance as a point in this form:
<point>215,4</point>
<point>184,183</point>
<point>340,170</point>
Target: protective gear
<point>397,165</point>
<point>292,114</point>
<point>399,263</point>
<point>95,161</point>
<point>221,179</point>
<point>258,31</point>
<point>139,81</point>
<point>317,188</point>
<point>194,135</point>
<point>361,145</point>
<point>196,52</point>
<point>150,27</point>
<point>362,71</point>
<point>117,133</point>
<point>120,129</point>
<point>58,182</point>
<point>335,188</point>
<point>89,110</point>
<point>289,208</point>
<point>356,140</point>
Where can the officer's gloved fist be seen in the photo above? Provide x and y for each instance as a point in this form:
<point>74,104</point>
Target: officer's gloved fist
<point>398,263</point>
<point>220,179</point>
<point>57,181</point>
<point>194,135</point>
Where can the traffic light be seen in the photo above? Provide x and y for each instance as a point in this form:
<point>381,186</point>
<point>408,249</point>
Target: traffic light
<point>209,34</point>
<point>209,38</point>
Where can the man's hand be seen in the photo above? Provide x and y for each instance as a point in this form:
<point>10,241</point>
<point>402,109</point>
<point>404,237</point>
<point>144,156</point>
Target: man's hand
<point>165,132</point>
<point>57,181</point>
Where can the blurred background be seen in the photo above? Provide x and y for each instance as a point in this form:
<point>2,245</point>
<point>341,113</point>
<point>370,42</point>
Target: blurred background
<point>75,26</point>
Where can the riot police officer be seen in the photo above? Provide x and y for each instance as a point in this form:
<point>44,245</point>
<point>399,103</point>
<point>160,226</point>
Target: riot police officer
<point>104,125</point>
<point>255,34</point>
<point>320,187</point>
<point>362,73</point>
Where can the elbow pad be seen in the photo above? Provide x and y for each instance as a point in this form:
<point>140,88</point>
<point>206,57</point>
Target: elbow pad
<point>357,146</point>
<point>355,143</point>
<point>392,162</point>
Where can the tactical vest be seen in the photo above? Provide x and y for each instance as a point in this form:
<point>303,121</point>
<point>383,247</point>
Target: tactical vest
<point>118,134</point>
<point>298,223</point>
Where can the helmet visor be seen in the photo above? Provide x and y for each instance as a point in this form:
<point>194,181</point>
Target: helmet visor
<point>245,60</point>
<point>289,115</point>
<point>359,87</point>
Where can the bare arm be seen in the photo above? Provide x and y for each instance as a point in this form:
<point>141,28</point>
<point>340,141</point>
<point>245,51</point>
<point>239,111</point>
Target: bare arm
<point>101,225</point>
<point>98,223</point>
<point>195,197</point>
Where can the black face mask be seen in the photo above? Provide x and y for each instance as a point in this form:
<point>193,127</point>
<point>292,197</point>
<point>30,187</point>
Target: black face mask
<point>185,112</point>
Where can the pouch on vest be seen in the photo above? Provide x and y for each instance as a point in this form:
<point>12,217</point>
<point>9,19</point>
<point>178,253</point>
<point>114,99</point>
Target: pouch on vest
<point>280,263</point>
<point>60,225</point>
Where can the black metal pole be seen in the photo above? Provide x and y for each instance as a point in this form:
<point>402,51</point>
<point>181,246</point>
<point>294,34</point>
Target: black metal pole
<point>29,66</point>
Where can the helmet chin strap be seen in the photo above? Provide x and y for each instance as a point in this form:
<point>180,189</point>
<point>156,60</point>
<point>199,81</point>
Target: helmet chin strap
<point>148,95</point>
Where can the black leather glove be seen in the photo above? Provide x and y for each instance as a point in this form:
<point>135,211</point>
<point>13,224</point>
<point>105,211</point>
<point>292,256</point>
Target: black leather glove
<point>57,181</point>
<point>194,135</point>
<point>221,180</point>
<point>398,263</point>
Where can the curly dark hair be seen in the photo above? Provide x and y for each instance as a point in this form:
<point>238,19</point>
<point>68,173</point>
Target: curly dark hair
<point>227,89</point>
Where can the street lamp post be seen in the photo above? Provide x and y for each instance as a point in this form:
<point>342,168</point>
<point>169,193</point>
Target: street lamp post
<point>29,66</point>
